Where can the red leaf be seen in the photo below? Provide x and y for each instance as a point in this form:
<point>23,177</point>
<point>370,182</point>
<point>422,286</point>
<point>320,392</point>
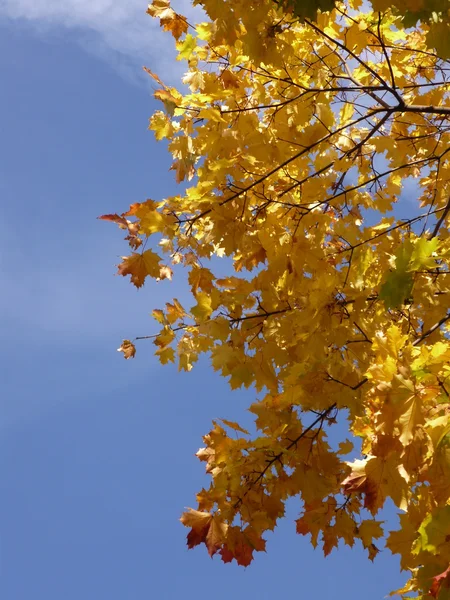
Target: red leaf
<point>443,579</point>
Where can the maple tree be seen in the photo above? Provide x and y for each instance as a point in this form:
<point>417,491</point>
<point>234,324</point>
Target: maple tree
<point>304,142</point>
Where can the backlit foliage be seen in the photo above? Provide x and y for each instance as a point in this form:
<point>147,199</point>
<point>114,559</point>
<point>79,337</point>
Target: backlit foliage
<point>435,13</point>
<point>316,158</point>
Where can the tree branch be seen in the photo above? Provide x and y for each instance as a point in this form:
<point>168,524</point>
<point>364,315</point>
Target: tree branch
<point>431,330</point>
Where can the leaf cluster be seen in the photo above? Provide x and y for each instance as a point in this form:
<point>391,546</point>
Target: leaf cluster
<point>300,142</point>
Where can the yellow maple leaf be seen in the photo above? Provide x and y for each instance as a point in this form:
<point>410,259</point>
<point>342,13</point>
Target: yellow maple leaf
<point>234,426</point>
<point>402,541</point>
<point>346,447</point>
<point>203,309</point>
<point>161,125</point>
<point>170,98</point>
<point>186,47</point>
<point>368,530</point>
<point>165,355</point>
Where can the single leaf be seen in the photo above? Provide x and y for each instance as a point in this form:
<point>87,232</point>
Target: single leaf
<point>140,266</point>
<point>206,528</point>
<point>169,100</point>
<point>397,289</point>
<point>186,47</point>
<point>307,9</point>
<point>203,309</point>
<point>368,530</point>
<point>128,349</point>
<point>234,426</point>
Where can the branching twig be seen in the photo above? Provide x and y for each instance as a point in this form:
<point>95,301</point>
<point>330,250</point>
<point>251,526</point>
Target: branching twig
<point>277,457</point>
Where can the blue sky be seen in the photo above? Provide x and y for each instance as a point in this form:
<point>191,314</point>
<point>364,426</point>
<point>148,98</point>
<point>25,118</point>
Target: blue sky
<point>97,454</point>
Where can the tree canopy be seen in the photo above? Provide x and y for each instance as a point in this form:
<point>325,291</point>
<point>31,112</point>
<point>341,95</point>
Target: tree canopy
<point>434,13</point>
<point>315,154</point>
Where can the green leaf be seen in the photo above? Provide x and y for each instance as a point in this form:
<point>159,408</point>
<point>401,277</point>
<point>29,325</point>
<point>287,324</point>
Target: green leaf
<point>307,9</point>
<point>403,256</point>
<point>396,289</point>
<point>410,18</point>
<point>438,37</point>
<point>410,257</point>
<point>398,283</point>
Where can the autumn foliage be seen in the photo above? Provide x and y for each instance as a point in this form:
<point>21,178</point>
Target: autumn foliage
<point>316,158</point>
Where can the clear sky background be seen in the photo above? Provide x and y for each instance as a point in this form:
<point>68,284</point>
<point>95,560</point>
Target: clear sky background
<point>96,453</point>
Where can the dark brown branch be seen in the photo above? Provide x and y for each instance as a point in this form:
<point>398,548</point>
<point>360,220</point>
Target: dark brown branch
<point>155,335</point>
<point>386,55</point>
<point>305,150</point>
<point>362,332</point>
<point>352,387</point>
<point>393,228</point>
<point>263,315</point>
<point>440,221</point>
<point>350,53</point>
<point>431,330</point>
<point>277,457</point>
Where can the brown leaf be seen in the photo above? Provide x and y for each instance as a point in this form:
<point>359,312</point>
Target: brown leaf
<point>240,545</point>
<point>373,551</point>
<point>128,349</point>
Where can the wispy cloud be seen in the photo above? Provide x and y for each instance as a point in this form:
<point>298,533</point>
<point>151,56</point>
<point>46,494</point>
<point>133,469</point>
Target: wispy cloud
<point>117,31</point>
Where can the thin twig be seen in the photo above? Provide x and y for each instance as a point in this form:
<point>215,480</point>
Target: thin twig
<point>431,330</point>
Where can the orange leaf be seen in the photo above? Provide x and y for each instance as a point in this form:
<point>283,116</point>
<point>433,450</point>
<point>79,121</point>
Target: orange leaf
<point>206,528</point>
<point>133,228</point>
<point>119,219</point>
<point>139,266</point>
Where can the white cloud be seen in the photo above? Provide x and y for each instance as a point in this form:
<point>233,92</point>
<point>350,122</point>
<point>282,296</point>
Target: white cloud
<point>117,30</point>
